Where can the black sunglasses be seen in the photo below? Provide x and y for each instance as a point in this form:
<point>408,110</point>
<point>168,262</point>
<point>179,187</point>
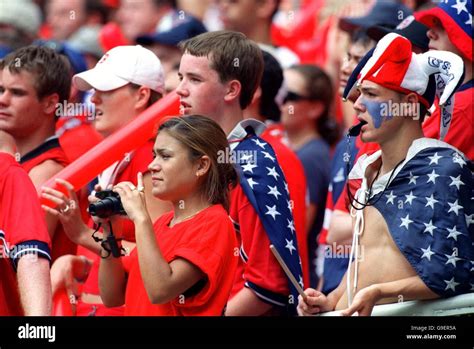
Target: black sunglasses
<point>294,97</point>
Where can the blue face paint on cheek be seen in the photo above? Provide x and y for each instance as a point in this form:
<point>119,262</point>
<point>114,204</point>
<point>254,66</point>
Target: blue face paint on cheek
<point>378,111</point>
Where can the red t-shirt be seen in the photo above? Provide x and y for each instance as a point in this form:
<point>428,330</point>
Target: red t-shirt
<point>22,225</point>
<point>73,128</point>
<point>295,177</point>
<point>208,241</point>
<point>51,150</point>
<point>461,130</point>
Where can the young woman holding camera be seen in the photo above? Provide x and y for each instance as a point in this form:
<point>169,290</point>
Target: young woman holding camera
<point>184,263</point>
<point>119,97</point>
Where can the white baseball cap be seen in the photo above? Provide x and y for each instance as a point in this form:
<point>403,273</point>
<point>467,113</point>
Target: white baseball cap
<point>123,65</point>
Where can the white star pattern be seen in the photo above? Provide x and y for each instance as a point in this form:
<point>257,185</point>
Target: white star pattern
<point>390,198</point>
<point>427,253</point>
<point>289,246</point>
<point>273,191</point>
<point>410,198</point>
<point>454,207</point>
<point>268,156</point>
<point>286,188</point>
<point>248,167</point>
<point>456,181</point>
<point>434,159</point>
<point>413,179</point>
<point>260,144</point>
<point>469,219</point>
<point>406,221</point>
<point>460,6</point>
<point>291,226</point>
<point>453,258</point>
<point>451,284</point>
<point>429,227</point>
<point>453,233</point>
<point>272,172</point>
<point>301,281</point>
<point>469,20</point>
<point>246,157</point>
<point>251,182</point>
<point>290,205</point>
<point>430,201</point>
<point>457,159</point>
<point>272,211</point>
<point>432,177</point>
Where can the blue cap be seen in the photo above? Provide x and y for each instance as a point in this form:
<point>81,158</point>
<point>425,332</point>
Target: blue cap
<point>384,13</point>
<point>410,28</point>
<point>183,30</point>
<point>4,50</point>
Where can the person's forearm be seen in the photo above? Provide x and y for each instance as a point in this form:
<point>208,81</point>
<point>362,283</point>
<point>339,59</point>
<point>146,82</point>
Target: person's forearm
<point>112,281</point>
<point>334,297</point>
<point>34,285</point>
<point>246,303</point>
<point>156,272</point>
<point>85,240</point>
<point>408,288</point>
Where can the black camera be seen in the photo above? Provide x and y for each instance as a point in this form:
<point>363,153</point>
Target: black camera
<point>109,205</point>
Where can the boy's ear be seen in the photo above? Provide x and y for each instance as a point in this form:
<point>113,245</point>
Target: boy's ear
<point>412,98</point>
<point>234,89</point>
<point>143,96</point>
<point>50,103</point>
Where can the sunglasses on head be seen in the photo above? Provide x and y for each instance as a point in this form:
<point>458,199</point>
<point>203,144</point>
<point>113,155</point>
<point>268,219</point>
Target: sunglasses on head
<point>294,97</point>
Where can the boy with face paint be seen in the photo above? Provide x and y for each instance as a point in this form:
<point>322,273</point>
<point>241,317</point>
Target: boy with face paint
<point>413,221</point>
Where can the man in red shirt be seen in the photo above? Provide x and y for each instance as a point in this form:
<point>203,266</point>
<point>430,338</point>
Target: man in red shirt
<point>451,30</point>
<point>29,95</point>
<point>219,73</point>
<point>25,287</point>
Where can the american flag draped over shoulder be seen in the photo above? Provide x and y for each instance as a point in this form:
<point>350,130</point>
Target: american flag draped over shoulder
<point>429,210</point>
<point>264,184</point>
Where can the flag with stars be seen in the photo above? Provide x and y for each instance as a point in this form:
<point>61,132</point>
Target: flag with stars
<point>264,184</point>
<point>429,211</point>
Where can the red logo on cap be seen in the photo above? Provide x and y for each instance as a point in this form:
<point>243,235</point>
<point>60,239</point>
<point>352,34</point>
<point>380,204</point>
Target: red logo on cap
<point>104,58</point>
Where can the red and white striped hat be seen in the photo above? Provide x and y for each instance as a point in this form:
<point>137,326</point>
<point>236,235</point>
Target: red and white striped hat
<point>393,65</point>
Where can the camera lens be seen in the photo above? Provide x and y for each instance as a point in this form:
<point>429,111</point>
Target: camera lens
<point>107,207</point>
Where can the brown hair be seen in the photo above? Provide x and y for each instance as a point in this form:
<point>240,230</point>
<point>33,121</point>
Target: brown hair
<point>203,136</point>
<point>51,70</point>
<point>232,56</point>
<point>318,87</point>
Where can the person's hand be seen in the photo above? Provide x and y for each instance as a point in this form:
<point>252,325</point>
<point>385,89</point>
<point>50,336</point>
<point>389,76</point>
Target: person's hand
<point>363,302</point>
<point>67,210</point>
<point>315,302</point>
<point>133,199</point>
<point>7,143</point>
<point>67,272</point>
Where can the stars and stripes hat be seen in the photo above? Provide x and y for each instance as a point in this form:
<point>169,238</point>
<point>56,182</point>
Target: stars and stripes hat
<point>393,65</point>
<point>456,18</point>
